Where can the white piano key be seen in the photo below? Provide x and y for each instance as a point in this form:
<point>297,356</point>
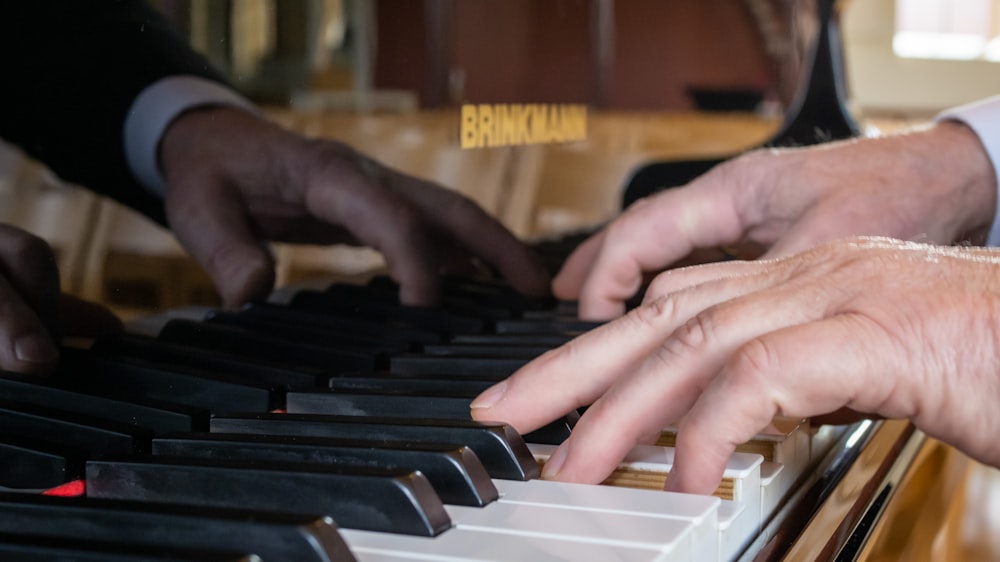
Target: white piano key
<point>734,531</point>
<point>700,511</point>
<point>776,481</point>
<point>470,545</point>
<point>668,536</point>
<point>739,522</point>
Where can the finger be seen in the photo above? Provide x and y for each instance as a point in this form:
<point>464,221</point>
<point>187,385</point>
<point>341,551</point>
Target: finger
<point>801,371</point>
<point>579,372</point>
<point>30,268</point>
<point>26,345</point>
<point>569,281</point>
<point>664,387</point>
<point>573,375</point>
<point>211,222</point>
<point>348,191</point>
<point>462,220</point>
<point>650,236</point>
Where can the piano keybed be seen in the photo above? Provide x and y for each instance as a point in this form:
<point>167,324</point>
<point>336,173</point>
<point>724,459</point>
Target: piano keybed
<point>331,425</point>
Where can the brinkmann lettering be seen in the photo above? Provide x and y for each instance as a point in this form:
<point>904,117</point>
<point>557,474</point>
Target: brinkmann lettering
<point>501,124</point>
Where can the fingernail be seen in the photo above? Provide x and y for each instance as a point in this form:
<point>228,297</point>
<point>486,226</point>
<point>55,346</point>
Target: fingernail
<point>490,396</point>
<point>35,348</point>
<point>555,462</point>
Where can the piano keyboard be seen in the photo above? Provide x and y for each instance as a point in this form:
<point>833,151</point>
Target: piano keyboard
<point>333,425</point>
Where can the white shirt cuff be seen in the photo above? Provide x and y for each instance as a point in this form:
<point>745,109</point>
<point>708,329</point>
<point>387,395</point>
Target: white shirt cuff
<point>154,109</point>
<point>983,117</point>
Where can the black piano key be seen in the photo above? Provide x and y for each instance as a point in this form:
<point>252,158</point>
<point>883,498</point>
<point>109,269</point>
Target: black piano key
<point>157,419</point>
<point>309,335</point>
<point>501,449</point>
<point>486,351</point>
<point>238,366</point>
<point>275,313</point>
<point>448,304</point>
<point>449,365</point>
<point>417,405</point>
<point>454,471</point>
<point>395,501</point>
<point>37,464</point>
<point>95,436</point>
<point>270,535</point>
<point>495,292</point>
<point>570,327</point>
<point>442,384</point>
<point>379,404</point>
<point>396,314</point>
<point>542,340</point>
<point>238,340</point>
<point>133,377</point>
<point>48,548</point>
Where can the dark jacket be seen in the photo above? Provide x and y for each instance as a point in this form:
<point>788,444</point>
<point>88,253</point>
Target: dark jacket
<point>70,71</point>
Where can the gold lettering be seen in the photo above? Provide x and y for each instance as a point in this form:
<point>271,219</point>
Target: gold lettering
<point>506,124</point>
<point>487,136</point>
<point>516,124</point>
<point>469,129</point>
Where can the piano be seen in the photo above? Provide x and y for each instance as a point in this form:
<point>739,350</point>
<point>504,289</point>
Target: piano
<point>332,424</point>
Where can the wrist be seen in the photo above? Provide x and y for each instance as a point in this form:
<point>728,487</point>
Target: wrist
<point>952,153</point>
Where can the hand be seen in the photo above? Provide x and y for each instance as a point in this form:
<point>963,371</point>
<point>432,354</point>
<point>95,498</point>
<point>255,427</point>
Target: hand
<point>236,181</point>
<point>935,185</point>
<point>33,314</point>
<point>882,327</point>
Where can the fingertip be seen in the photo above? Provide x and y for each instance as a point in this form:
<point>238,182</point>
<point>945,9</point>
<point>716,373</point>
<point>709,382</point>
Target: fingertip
<point>32,353</point>
<point>247,278</point>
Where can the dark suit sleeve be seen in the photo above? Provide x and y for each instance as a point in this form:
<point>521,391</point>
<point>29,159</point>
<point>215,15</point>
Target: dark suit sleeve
<point>71,70</point>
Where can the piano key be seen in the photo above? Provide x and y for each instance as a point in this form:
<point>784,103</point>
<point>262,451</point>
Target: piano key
<point>47,548</point>
<point>219,362</point>
<point>417,405</point>
<point>702,511</point>
<point>454,471</point>
<point>275,313</point>
<point>548,340</point>
<point>34,464</point>
<point>448,303</point>
<point>397,314</point>
<point>486,351</point>
<point>474,545</point>
<point>571,327</point>
<point>95,436</point>
<point>389,403</point>
<point>399,501</point>
<point>646,467</point>
<point>409,384</point>
<point>501,449</point>
<point>674,537</point>
<point>494,291</point>
<point>129,377</point>
<point>270,535</point>
<point>160,419</point>
<point>238,340</point>
<point>309,335</point>
<point>448,365</point>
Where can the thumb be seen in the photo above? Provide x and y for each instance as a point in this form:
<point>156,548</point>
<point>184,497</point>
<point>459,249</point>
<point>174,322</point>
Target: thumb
<point>212,224</point>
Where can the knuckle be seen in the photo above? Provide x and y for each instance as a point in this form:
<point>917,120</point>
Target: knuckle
<point>33,253</point>
<point>755,361</point>
<point>692,337</point>
<point>655,311</point>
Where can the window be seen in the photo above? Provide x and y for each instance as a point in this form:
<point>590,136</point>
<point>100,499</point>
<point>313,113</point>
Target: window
<point>947,29</point>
